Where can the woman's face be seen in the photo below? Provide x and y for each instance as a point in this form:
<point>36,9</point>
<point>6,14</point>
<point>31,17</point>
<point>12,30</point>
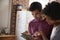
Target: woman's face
<point>49,20</point>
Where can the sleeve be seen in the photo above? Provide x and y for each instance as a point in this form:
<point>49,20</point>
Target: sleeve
<point>29,28</point>
<point>57,35</point>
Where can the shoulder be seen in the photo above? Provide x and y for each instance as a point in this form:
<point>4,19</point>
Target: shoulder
<point>32,21</point>
<point>57,33</point>
<point>44,22</point>
<point>58,29</point>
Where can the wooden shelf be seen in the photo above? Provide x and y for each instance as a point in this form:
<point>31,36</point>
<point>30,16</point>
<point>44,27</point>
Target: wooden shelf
<point>7,37</point>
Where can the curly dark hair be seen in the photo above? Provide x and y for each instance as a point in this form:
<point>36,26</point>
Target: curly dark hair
<point>35,6</point>
<point>52,10</point>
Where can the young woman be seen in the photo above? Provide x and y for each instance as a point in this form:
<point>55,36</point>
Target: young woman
<point>52,13</point>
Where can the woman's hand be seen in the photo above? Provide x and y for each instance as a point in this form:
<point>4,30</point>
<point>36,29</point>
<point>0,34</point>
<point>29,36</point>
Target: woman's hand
<point>43,35</point>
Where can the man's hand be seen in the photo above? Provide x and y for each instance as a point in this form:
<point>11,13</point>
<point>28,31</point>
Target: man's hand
<point>26,33</point>
<point>36,34</point>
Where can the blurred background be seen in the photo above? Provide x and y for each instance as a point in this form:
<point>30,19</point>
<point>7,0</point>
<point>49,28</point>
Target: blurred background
<point>15,17</point>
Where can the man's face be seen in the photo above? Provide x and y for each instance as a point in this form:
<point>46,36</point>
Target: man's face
<point>36,14</point>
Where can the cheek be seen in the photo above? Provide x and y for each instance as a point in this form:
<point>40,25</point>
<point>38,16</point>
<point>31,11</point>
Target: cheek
<point>33,15</point>
<point>37,15</point>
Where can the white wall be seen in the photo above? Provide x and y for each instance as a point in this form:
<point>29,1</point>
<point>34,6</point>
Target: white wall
<point>58,1</point>
<point>5,14</point>
<point>21,24</point>
<point>43,2</point>
<point>22,21</point>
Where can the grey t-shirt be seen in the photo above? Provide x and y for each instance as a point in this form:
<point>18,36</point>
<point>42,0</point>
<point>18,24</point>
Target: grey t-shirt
<point>55,33</point>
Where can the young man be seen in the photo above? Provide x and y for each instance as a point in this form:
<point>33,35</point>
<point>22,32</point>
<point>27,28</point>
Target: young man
<point>52,12</point>
<point>38,24</point>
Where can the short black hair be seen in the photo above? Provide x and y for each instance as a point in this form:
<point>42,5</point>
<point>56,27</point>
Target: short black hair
<point>35,6</point>
<point>52,10</point>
